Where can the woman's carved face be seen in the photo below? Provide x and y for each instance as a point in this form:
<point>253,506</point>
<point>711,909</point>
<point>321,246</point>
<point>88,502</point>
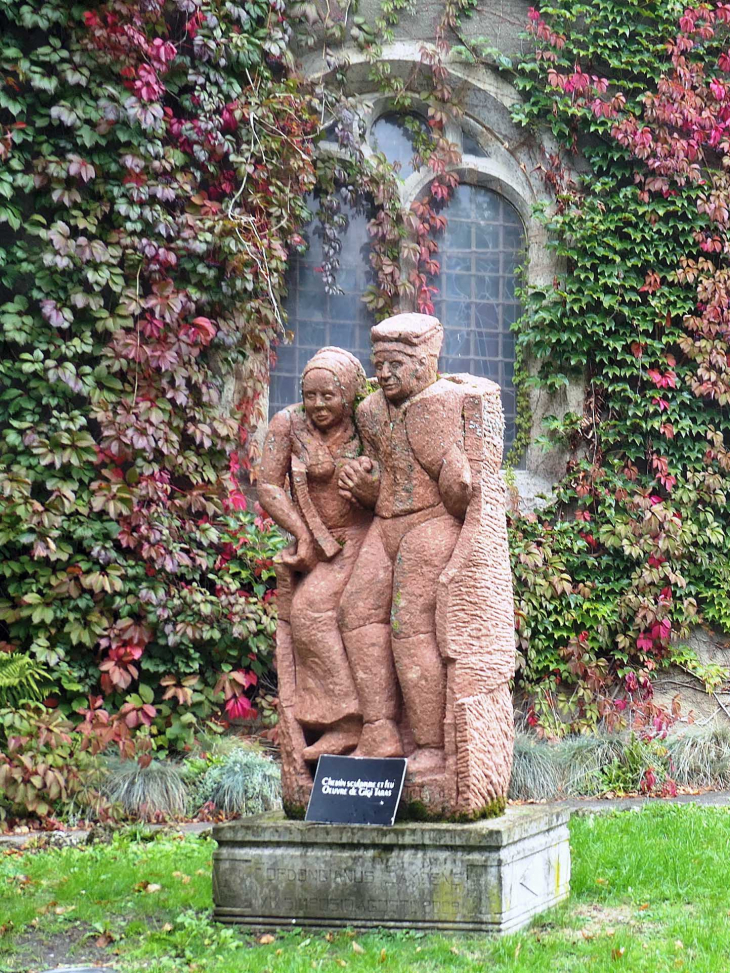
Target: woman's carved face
<point>322,399</point>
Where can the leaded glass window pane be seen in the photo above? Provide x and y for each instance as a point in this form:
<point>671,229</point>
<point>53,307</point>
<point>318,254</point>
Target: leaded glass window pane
<point>480,250</point>
<point>318,319</point>
<point>396,135</point>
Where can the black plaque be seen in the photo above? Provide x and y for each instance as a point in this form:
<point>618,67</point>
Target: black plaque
<point>356,790</point>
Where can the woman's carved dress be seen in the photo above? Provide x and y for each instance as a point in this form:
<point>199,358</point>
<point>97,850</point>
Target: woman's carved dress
<point>318,705</point>
<point>325,691</point>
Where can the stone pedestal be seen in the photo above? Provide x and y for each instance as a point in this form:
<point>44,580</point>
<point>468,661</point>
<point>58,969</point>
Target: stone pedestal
<point>488,876</point>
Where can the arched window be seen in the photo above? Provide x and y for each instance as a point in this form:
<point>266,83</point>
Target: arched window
<point>480,252</point>
<point>396,135</point>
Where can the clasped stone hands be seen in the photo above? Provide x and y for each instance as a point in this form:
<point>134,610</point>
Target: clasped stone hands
<point>360,481</point>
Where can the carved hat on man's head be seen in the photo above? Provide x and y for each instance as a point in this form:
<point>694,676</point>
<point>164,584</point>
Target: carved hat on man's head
<point>410,333</point>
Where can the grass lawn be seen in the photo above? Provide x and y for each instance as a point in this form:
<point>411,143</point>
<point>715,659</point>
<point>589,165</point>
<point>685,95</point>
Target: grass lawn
<point>651,892</point>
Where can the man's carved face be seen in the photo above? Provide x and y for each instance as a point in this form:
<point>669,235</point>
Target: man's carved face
<point>399,374</point>
<point>322,399</point>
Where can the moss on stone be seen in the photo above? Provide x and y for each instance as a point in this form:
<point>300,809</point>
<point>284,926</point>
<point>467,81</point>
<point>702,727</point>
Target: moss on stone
<point>295,812</point>
<point>419,811</point>
<point>494,809</point>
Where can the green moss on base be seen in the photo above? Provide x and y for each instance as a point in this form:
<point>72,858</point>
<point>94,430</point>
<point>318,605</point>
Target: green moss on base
<point>418,811</point>
<point>414,811</point>
<point>295,812</point>
<point>494,809</point>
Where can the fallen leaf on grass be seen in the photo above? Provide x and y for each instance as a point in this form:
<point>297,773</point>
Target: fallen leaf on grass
<point>341,962</point>
<point>357,948</point>
<point>618,953</point>
<point>146,886</point>
<point>182,876</point>
<point>168,927</point>
<point>61,910</point>
<point>279,952</point>
<point>644,907</point>
<point>455,951</point>
<point>678,944</point>
<point>5,928</point>
<point>106,939</point>
<point>330,937</point>
<point>266,940</point>
<point>383,956</point>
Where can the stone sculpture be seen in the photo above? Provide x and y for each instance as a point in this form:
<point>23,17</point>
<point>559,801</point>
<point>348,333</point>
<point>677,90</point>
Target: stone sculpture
<point>414,612</point>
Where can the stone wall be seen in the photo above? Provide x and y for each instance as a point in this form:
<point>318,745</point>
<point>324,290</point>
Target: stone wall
<point>501,21</point>
<point>697,705</point>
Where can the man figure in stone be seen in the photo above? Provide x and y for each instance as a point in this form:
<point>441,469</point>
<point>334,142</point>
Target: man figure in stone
<point>414,472</point>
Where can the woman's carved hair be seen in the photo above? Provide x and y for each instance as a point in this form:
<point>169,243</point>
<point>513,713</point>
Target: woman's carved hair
<point>347,370</point>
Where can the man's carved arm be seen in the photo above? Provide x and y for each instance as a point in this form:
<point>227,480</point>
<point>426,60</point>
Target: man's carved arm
<point>454,481</point>
<point>360,478</point>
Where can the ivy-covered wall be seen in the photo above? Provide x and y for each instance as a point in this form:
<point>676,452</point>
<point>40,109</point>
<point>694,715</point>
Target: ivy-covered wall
<point>637,549</point>
<point>154,158</point>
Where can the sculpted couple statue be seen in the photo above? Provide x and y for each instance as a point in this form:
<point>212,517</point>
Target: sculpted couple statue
<point>396,630</point>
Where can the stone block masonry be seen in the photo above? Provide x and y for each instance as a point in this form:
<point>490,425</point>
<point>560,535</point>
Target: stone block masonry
<point>486,876</point>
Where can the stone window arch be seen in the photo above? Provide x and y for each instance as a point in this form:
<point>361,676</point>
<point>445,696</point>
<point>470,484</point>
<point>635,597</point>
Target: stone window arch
<point>480,253</point>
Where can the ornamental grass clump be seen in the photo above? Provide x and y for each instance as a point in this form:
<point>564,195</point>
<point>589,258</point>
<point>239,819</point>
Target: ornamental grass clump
<point>700,756</point>
<point>568,767</point>
<point>147,793</point>
<point>611,763</point>
<point>243,781</point>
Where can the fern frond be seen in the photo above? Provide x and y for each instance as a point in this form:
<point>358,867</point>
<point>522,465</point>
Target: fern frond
<point>22,679</point>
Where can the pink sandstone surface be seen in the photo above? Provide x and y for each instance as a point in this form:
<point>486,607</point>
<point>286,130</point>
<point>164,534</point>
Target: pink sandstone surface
<point>401,640</point>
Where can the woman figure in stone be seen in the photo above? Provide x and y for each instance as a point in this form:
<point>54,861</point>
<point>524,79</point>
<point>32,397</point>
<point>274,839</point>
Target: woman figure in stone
<point>306,447</point>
